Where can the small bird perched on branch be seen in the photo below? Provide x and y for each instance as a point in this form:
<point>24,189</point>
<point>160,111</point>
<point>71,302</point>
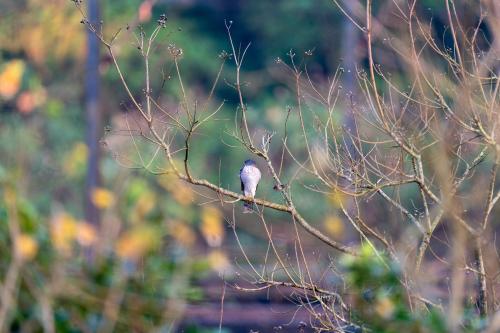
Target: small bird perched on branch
<point>250,177</point>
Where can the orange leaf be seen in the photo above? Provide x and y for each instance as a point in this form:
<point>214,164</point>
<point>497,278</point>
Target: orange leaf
<point>211,226</point>
<point>86,234</point>
<point>137,242</point>
<point>26,247</point>
<point>11,78</point>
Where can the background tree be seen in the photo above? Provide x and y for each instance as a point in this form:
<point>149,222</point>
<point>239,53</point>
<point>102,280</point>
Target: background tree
<point>386,226</point>
<point>92,88</point>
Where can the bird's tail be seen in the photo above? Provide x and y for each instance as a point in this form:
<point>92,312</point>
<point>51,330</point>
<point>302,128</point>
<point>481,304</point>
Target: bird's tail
<point>247,207</point>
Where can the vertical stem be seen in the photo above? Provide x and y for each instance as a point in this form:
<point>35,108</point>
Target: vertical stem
<point>8,287</point>
<point>7,295</point>
<point>47,313</point>
<point>457,249</point>
<point>350,59</point>
<point>424,244</point>
<point>371,66</point>
<point>482,302</point>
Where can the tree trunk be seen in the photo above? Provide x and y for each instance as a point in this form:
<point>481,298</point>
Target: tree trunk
<point>92,85</point>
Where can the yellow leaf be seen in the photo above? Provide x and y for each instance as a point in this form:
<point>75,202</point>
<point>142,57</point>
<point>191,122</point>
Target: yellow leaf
<point>211,226</point>
<point>26,247</point>
<point>218,261</point>
<point>9,195</point>
<point>11,78</point>
<point>137,242</point>
<point>145,203</point>
<point>76,159</point>
<point>102,198</point>
<point>63,232</point>
<point>334,226</point>
<point>86,234</point>
<point>45,29</point>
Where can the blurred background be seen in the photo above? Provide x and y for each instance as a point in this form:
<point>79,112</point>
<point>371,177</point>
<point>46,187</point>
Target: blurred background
<point>98,233</point>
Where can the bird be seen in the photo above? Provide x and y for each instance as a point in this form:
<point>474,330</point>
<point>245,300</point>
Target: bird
<point>250,177</point>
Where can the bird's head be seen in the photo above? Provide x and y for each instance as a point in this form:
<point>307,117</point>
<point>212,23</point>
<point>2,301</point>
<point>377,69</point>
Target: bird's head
<point>250,162</point>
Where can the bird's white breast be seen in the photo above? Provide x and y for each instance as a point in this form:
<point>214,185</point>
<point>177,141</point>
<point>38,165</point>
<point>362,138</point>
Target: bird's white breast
<point>250,176</point>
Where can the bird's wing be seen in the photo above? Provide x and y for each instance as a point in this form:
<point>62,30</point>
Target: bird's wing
<point>242,185</point>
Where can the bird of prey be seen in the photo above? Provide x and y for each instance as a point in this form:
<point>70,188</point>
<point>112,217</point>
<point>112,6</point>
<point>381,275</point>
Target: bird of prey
<point>250,177</point>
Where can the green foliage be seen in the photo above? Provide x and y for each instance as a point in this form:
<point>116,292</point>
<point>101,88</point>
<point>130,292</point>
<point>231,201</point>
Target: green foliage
<point>43,161</point>
<point>381,300</point>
